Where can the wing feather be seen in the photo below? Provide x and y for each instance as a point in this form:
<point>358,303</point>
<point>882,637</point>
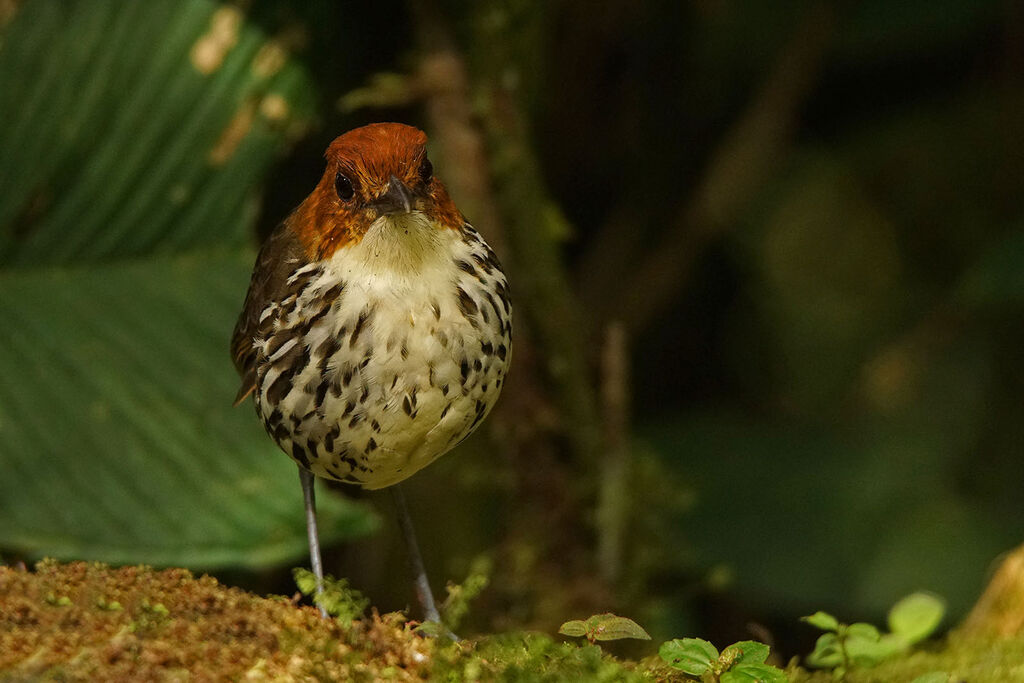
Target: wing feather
<point>280,255</point>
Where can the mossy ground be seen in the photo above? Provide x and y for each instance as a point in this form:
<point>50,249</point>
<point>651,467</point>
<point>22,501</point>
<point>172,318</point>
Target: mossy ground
<point>86,621</point>
<point>967,660</point>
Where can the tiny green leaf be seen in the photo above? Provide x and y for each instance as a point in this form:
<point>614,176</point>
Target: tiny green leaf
<point>933,677</point>
<point>305,580</point>
<point>754,673</point>
<point>916,616</point>
<point>158,609</point>
<point>112,606</point>
<point>750,652</point>
<point>827,652</point>
<point>864,652</point>
<point>62,601</point>
<point>862,630</point>
<point>574,628</point>
<point>822,620</point>
<point>690,655</point>
<point>337,597</point>
<point>869,652</point>
<point>612,627</point>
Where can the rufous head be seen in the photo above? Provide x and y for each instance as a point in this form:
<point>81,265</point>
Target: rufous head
<point>373,171</point>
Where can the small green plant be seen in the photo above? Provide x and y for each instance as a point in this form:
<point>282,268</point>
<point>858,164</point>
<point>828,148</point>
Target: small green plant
<point>605,626</point>
<point>108,605</point>
<point>456,605</point>
<point>53,599</point>
<point>149,618</point>
<point>843,646</point>
<point>742,662</point>
<point>337,597</point>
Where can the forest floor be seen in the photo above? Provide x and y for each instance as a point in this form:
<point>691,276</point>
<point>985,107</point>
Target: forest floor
<point>87,621</point>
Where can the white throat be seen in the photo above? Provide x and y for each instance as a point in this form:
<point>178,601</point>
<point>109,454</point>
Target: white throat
<point>404,243</point>
<point>397,252</point>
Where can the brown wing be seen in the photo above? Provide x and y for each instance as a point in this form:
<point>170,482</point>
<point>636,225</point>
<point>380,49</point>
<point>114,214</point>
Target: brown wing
<point>280,255</point>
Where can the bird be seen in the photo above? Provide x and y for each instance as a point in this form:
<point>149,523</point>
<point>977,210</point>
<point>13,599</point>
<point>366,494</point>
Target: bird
<point>376,333</point>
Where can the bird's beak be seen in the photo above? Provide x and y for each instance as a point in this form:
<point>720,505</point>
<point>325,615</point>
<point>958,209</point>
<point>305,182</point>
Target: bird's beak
<point>398,198</point>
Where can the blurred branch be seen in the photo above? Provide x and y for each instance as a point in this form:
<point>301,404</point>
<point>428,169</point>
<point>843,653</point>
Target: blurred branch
<point>478,120</point>
<point>384,90</point>
<point>619,239</point>
<point>542,281</point>
<point>491,141</point>
<point>892,374</point>
<point>473,144</point>
<point>613,504</point>
<point>744,160</point>
<point>443,77</point>
<point>1013,40</point>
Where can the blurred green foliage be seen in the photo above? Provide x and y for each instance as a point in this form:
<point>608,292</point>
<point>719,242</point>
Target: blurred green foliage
<point>134,137</point>
<point>843,371</point>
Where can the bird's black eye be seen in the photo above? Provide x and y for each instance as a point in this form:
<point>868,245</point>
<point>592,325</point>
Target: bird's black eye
<point>343,186</point>
<point>426,170</point>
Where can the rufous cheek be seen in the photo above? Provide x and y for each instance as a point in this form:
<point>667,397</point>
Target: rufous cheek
<point>445,212</point>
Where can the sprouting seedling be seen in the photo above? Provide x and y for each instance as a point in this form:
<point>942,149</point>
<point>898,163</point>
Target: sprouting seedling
<point>843,646</point>
<point>605,626</point>
<point>742,662</point>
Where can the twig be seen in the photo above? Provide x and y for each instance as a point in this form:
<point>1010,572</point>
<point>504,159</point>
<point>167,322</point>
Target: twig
<point>483,126</point>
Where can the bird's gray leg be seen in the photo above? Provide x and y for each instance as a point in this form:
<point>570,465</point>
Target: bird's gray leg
<point>306,478</point>
<point>419,574</point>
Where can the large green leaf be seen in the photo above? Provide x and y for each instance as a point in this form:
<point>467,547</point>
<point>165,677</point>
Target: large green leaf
<point>128,128</point>
<point>131,132</point>
<point>118,440</point>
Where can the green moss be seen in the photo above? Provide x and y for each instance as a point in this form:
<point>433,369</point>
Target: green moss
<point>58,622</point>
<point>529,657</point>
<point>87,621</point>
<point>974,659</point>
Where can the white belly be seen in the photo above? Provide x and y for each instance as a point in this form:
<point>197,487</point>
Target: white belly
<point>394,370</point>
